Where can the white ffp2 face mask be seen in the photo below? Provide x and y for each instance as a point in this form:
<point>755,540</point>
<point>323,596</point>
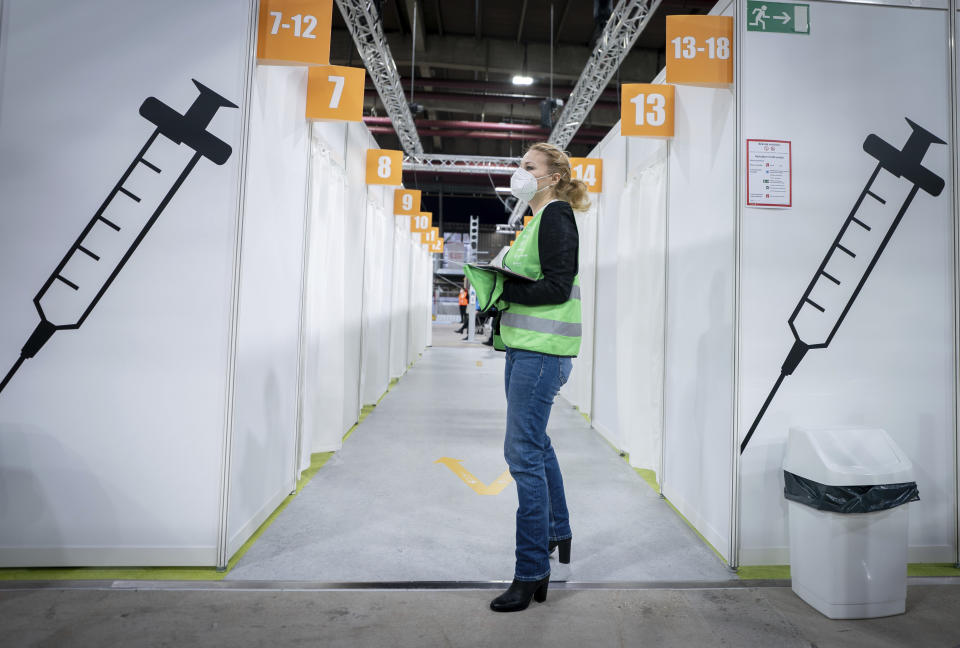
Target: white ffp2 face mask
<point>523,185</point>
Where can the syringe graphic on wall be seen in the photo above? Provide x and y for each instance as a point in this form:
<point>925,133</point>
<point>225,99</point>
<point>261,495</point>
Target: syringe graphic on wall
<point>120,224</point>
<point>863,237</point>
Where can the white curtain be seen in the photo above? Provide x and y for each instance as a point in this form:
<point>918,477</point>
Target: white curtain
<point>377,274</point>
<point>323,388</point>
<point>579,388</point>
<point>401,294</point>
<point>641,249</point>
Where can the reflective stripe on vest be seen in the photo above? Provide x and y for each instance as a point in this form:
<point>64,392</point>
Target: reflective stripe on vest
<point>531,323</point>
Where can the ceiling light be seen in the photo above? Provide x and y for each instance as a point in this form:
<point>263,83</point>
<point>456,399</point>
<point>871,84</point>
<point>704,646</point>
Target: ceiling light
<point>522,80</point>
<point>502,189</point>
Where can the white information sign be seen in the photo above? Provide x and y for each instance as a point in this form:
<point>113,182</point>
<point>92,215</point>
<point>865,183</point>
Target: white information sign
<point>769,173</point>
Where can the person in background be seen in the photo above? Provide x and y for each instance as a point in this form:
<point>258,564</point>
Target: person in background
<point>464,301</point>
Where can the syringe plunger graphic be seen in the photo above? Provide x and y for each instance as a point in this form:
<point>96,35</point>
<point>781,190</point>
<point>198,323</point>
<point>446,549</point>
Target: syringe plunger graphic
<point>898,177</point>
<point>120,224</point>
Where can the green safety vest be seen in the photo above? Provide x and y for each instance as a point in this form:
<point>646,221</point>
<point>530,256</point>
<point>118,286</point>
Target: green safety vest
<point>554,329</point>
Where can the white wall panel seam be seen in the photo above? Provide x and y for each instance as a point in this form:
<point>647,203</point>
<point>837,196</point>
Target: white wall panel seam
<point>231,369</point>
<point>955,174</point>
<point>738,48</point>
<point>666,310</point>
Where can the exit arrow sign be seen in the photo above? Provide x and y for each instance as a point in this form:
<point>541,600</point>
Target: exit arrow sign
<point>778,17</point>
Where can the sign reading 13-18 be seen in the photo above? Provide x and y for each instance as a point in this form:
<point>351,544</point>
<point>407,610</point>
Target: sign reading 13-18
<point>700,50</point>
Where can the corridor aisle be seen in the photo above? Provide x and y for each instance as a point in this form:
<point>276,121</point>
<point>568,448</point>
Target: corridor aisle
<point>384,509</point>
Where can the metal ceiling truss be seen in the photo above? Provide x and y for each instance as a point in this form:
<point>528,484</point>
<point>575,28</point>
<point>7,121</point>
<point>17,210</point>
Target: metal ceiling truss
<point>628,20</point>
<point>367,32</point>
<point>472,164</point>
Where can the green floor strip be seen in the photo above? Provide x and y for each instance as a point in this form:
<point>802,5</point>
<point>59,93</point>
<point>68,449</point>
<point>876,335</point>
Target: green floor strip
<point>764,572</point>
<point>782,572</point>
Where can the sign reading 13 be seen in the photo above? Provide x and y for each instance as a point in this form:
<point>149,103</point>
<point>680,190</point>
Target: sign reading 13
<point>384,167</point>
<point>294,32</point>
<point>590,170</point>
<point>647,109</point>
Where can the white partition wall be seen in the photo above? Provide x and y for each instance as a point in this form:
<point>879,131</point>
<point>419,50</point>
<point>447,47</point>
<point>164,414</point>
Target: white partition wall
<point>604,404</point>
<point>112,437</point>
<point>263,470</point>
<point>891,361</point>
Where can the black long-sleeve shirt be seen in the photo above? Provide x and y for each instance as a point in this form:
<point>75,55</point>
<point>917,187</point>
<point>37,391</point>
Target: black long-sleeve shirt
<point>558,242</point>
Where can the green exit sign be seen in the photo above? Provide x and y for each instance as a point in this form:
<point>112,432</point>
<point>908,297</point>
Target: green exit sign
<point>778,17</point>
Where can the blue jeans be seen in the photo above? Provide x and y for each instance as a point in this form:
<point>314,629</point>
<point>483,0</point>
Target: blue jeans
<point>532,381</point>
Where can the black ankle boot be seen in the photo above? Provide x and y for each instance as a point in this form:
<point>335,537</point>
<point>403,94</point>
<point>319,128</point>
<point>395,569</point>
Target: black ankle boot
<point>518,596</point>
<point>564,549</point>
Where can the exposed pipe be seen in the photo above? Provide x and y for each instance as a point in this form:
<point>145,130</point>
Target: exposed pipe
<point>531,91</point>
<point>425,97</point>
<point>387,130</point>
<point>481,126</point>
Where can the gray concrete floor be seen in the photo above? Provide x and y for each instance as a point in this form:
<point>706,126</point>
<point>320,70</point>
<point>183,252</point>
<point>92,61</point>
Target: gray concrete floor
<point>687,617</point>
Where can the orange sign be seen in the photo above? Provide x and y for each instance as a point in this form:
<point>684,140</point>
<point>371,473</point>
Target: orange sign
<point>406,201</point>
<point>384,167</point>
<point>700,50</point>
<point>527,219</point>
<point>646,109</point>
<point>437,246</point>
<point>430,236</point>
<point>421,222</point>
<point>335,93</point>
<point>590,170</point>
<point>294,32</point>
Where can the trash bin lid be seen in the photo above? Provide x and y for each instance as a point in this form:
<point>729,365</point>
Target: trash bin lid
<point>846,456</point>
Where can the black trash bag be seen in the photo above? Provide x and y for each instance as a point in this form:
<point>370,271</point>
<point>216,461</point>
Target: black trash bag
<point>848,499</point>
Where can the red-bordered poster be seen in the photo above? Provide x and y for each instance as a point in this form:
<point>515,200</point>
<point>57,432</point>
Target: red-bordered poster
<point>769,173</point>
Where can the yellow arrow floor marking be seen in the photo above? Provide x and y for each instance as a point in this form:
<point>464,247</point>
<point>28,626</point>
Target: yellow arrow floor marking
<point>478,486</point>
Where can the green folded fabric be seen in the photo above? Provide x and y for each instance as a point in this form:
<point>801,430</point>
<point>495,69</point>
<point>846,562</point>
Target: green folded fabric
<point>488,286</point>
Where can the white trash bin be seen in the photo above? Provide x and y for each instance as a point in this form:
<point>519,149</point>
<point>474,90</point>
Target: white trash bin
<point>846,563</point>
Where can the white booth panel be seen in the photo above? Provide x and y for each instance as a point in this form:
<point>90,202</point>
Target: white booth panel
<point>604,407</point>
<point>698,384</point>
<point>111,437</point>
<point>262,470</point>
<point>891,361</point>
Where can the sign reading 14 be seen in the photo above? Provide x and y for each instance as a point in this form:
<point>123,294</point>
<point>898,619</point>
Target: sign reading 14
<point>310,22</point>
<point>686,47</point>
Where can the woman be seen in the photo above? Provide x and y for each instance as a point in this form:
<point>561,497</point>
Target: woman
<point>540,326</point>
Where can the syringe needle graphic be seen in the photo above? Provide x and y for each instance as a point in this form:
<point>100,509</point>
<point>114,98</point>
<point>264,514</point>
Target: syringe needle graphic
<point>862,239</point>
<point>120,224</point>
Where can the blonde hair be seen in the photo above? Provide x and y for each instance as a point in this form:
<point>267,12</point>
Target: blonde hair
<point>570,189</point>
